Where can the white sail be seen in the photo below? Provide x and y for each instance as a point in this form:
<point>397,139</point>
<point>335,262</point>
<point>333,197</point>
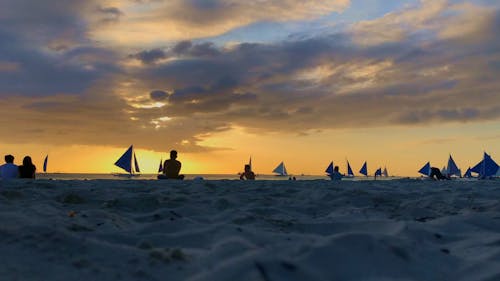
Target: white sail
<point>280,170</point>
<point>384,173</point>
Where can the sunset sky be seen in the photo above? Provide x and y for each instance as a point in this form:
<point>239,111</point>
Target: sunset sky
<point>395,83</point>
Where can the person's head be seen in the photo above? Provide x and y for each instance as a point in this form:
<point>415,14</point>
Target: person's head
<point>173,154</point>
<point>9,159</point>
<point>336,169</point>
<point>27,161</point>
<point>247,168</point>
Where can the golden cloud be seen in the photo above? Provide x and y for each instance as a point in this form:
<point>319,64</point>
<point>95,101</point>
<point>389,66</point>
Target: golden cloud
<point>156,22</point>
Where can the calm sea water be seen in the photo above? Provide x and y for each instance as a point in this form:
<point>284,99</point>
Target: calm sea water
<point>64,176</point>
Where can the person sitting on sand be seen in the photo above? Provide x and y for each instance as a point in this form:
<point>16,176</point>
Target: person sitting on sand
<point>336,176</point>
<point>437,175</point>
<point>27,169</point>
<point>247,174</point>
<point>171,168</point>
<point>9,170</point>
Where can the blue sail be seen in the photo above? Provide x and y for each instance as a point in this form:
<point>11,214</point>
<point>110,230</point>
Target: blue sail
<point>125,161</point>
<point>486,168</point>
<point>426,169</point>
<point>452,168</point>
<point>329,170</point>
<point>490,166</point>
<point>364,170</point>
<point>478,168</point>
<point>160,168</point>
<point>378,172</point>
<point>45,163</point>
<point>349,170</point>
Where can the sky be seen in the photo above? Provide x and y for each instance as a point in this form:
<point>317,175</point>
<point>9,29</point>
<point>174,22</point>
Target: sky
<point>394,83</point>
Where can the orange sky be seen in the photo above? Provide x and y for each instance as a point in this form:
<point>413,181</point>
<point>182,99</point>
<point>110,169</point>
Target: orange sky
<point>402,150</point>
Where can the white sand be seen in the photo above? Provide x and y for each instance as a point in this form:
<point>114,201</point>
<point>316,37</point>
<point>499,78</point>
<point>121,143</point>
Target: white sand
<point>263,230</point>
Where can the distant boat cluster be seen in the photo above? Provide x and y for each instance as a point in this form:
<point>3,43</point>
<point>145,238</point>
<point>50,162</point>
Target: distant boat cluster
<point>486,168</point>
<point>280,170</point>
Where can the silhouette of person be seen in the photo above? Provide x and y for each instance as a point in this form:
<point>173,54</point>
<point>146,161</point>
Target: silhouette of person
<point>336,176</point>
<point>27,169</point>
<point>247,174</point>
<point>171,168</point>
<point>9,170</point>
<point>437,175</point>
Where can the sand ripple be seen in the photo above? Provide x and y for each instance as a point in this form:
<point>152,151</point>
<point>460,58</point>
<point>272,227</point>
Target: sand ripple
<point>237,230</point>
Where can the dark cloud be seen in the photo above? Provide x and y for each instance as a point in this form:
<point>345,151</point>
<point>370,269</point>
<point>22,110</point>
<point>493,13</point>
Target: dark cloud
<point>184,49</point>
<point>47,21</point>
<point>214,98</point>
<point>206,49</point>
<point>158,95</point>
<point>150,56</point>
<point>70,71</point>
<point>441,115</point>
<point>48,41</point>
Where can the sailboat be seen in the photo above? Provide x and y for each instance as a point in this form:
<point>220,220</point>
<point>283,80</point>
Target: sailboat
<point>280,170</point>
<point>329,169</point>
<point>452,169</point>
<point>487,168</point>
<point>160,168</point>
<point>125,162</point>
<point>384,172</point>
<point>426,169</point>
<point>45,164</point>
<point>350,174</point>
<point>364,170</point>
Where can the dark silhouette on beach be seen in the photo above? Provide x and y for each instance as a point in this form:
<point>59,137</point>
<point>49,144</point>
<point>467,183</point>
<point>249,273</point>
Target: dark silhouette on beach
<point>336,175</point>
<point>27,169</point>
<point>437,175</point>
<point>247,174</point>
<point>9,170</point>
<point>171,168</point>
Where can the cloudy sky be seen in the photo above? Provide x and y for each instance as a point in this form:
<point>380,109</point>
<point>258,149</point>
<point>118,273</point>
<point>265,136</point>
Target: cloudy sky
<point>396,83</point>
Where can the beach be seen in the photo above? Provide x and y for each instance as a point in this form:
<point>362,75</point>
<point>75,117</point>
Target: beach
<point>402,229</point>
